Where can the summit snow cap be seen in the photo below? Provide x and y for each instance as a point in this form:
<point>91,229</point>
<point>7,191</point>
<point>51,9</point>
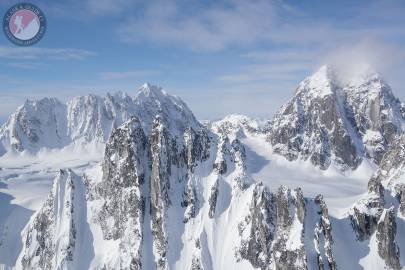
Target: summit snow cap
<point>320,83</point>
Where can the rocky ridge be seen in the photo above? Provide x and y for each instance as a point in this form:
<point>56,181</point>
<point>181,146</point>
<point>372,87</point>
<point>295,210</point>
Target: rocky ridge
<point>329,123</point>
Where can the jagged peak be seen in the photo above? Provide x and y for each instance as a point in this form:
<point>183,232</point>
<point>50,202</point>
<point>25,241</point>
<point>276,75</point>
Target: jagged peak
<point>62,176</point>
<point>235,125</point>
<point>319,83</point>
<point>65,172</point>
<point>327,77</point>
<point>236,118</point>
<point>40,102</point>
<point>120,95</point>
<point>85,98</point>
<point>131,124</point>
<point>150,90</point>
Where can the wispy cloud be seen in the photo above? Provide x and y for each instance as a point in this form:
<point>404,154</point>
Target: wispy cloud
<point>127,74</point>
<point>350,60</point>
<point>87,10</point>
<point>29,53</point>
<point>27,65</point>
<point>237,23</point>
<point>201,27</point>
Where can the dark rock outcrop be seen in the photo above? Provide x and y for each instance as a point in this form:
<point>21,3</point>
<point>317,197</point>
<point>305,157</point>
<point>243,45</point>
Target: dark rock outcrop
<point>213,198</point>
<point>323,228</point>
<point>326,122</point>
<point>258,229</point>
<point>367,211</point>
<point>289,254</point>
<point>386,231</point>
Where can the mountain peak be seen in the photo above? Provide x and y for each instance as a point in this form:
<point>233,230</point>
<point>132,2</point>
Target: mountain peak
<point>319,83</point>
<point>150,90</point>
<point>366,76</point>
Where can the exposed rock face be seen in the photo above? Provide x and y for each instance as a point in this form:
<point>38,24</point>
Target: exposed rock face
<point>242,178</point>
<point>288,246</point>
<point>190,202</point>
<point>324,229</point>
<point>143,160</point>
<point>392,166</point>
<point>232,156</point>
<point>371,216</point>
<point>125,168</point>
<point>224,152</point>
<point>367,211</point>
<point>326,122</point>
<point>213,198</point>
<point>163,155</point>
<point>51,239</point>
<point>257,231</point>
<point>197,145</point>
<point>272,234</point>
<point>400,191</point>
<point>386,231</point>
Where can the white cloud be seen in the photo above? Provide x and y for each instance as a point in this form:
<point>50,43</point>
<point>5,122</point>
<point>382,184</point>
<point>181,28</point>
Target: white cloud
<point>351,60</point>
<point>29,53</point>
<point>27,65</point>
<point>237,23</point>
<point>201,28</point>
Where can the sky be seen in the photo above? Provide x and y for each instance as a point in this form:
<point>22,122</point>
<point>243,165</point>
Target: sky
<point>220,57</point>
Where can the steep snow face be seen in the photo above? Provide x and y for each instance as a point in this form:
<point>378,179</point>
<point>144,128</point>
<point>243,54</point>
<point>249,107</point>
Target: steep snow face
<point>35,124</point>
<point>89,119</point>
<point>152,101</point>
<point>320,84</point>
<point>236,126</point>
<point>92,118</point>
<point>58,235</point>
<point>328,123</point>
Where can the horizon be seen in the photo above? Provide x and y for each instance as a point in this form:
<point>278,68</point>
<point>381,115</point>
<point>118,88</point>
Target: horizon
<point>231,56</point>
<point>133,93</point>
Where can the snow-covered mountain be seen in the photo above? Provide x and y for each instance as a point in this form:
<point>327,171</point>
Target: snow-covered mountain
<point>84,120</point>
<point>341,123</point>
<point>171,193</point>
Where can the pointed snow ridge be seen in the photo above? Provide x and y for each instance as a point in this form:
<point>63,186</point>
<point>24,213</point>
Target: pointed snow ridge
<point>150,90</point>
<point>54,238</point>
<point>320,83</point>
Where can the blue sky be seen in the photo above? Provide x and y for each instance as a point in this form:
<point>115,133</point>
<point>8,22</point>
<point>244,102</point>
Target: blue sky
<point>221,57</point>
